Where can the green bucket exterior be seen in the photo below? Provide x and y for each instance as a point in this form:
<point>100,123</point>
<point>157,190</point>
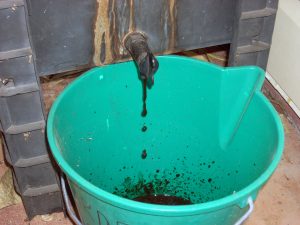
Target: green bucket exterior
<point>211,137</point>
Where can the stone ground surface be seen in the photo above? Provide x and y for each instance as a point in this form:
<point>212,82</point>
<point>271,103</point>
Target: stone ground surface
<point>278,202</point>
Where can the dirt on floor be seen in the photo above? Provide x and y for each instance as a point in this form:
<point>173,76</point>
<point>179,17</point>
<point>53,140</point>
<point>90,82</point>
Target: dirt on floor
<point>15,215</point>
<point>278,202</point>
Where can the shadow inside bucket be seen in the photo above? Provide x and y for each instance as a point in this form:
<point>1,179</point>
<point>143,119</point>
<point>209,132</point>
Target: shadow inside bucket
<point>163,200</point>
<point>154,192</point>
<point>173,187</point>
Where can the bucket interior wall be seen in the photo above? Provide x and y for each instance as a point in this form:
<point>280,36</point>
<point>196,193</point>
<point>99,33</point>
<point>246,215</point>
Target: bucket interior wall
<point>98,128</point>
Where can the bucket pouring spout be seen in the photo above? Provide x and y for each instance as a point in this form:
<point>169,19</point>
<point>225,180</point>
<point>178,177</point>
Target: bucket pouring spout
<point>237,89</point>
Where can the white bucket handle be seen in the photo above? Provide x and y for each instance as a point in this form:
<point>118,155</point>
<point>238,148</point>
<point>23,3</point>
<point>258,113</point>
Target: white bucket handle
<point>77,221</point>
<point>69,208</point>
<point>247,214</point>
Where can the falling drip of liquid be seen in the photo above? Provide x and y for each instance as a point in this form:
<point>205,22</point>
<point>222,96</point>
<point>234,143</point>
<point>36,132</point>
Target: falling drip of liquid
<point>144,154</point>
<point>144,128</point>
<point>144,112</point>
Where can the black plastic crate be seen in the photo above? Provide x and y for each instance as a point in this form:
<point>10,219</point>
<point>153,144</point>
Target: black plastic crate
<point>18,75</point>
<point>43,204</point>
<point>36,180</point>
<point>16,35</point>
<point>29,148</point>
<point>21,113</point>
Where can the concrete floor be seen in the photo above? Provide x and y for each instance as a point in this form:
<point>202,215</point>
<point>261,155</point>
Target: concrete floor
<point>278,203</point>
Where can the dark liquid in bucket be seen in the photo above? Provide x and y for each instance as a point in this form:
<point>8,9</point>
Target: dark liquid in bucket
<point>144,112</point>
<point>163,200</point>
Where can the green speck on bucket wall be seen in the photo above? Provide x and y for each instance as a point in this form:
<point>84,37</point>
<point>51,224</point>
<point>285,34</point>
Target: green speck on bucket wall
<point>234,141</point>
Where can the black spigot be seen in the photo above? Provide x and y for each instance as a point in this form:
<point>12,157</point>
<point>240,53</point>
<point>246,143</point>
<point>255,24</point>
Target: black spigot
<point>136,44</point>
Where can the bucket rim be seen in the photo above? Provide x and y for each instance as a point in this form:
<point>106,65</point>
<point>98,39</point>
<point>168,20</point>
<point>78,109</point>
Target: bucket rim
<point>239,198</point>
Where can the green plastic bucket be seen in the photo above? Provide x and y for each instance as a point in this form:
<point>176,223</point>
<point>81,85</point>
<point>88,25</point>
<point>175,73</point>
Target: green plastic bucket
<point>211,137</point>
